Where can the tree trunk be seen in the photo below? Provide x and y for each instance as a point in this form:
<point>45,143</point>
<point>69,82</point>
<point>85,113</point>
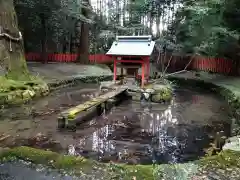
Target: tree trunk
<point>158,22</point>
<point>44,38</point>
<point>83,50</point>
<point>12,56</point>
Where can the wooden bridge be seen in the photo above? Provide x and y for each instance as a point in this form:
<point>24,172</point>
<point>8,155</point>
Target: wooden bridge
<point>69,117</point>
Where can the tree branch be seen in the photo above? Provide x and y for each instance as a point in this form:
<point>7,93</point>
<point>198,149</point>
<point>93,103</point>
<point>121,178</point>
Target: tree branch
<point>185,69</point>
<point>169,62</point>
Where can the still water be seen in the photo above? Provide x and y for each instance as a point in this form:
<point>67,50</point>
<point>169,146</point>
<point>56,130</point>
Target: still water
<point>133,133</point>
<point>141,133</point>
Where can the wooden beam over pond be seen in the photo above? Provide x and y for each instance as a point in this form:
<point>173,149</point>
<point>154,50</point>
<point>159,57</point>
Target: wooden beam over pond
<point>66,117</point>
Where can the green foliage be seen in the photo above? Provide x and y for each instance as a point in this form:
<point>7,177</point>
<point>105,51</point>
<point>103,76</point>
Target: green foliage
<point>201,27</point>
<point>206,27</point>
<point>60,17</point>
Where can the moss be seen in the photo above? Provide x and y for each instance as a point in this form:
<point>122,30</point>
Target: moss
<point>163,94</point>
<point>9,85</point>
<point>16,92</point>
<point>223,160</point>
<point>44,157</point>
<point>77,164</point>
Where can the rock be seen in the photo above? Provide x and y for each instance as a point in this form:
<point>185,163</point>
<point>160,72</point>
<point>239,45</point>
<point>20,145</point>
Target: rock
<point>162,93</point>
<point>41,89</point>
<point>106,84</point>
<point>232,143</point>
<point>10,97</point>
<point>135,96</point>
<point>27,94</point>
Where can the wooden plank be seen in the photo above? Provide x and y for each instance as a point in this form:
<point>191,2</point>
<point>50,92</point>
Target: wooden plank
<point>94,102</point>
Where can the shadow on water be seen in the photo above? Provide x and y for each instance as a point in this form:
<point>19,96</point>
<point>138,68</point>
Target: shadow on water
<point>132,132</point>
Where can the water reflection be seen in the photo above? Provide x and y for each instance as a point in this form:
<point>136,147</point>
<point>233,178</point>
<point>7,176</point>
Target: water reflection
<point>171,133</point>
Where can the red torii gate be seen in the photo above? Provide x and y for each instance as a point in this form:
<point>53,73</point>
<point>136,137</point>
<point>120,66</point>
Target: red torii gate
<point>132,53</point>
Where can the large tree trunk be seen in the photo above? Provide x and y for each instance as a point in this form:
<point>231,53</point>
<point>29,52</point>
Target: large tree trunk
<point>158,22</point>
<point>83,50</point>
<point>44,38</point>
<point>11,44</point>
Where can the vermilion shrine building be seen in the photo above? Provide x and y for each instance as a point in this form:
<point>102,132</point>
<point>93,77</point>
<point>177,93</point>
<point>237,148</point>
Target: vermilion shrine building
<point>132,53</point>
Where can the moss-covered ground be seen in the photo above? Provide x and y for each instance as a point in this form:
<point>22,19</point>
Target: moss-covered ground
<point>77,164</point>
<point>80,165</point>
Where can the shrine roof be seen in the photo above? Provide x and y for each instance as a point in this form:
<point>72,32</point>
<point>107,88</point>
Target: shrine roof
<point>132,46</point>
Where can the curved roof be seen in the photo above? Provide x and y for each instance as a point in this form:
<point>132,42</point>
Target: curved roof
<point>132,46</point>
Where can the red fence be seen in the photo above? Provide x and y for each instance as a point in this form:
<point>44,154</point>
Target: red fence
<point>216,65</point>
<point>98,58</point>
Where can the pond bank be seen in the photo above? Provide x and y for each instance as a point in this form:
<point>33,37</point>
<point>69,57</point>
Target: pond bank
<point>225,86</point>
<point>222,166</point>
<point>49,77</point>
<point>21,92</point>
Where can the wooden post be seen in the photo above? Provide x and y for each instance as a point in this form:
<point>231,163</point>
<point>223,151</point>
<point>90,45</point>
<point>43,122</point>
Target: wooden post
<point>143,74</point>
<point>114,70</point>
<point>148,67</point>
<point>121,75</point>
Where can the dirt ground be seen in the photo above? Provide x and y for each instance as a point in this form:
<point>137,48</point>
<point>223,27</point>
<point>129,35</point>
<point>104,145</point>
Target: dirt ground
<point>59,71</point>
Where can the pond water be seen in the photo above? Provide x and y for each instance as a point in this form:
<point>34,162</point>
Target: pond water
<point>132,133</point>
<point>152,133</point>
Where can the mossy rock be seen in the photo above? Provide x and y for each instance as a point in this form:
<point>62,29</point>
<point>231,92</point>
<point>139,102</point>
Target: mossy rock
<point>77,164</point>
<point>22,91</point>
<point>162,93</point>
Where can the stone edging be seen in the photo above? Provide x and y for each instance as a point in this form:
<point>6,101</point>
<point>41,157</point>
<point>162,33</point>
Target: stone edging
<point>43,89</point>
<point>232,99</point>
<point>72,81</point>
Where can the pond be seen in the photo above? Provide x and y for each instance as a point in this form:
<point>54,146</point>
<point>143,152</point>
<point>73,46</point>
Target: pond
<point>133,132</point>
<point>138,133</point>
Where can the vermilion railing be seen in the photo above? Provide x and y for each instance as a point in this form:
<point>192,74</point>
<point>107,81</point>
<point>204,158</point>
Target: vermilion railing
<point>98,58</point>
<point>217,65</point>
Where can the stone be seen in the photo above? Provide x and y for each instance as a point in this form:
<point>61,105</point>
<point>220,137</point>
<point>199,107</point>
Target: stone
<point>232,143</point>
<point>36,88</point>
<point>162,93</point>
<point>106,84</point>
<point>28,94</point>
<point>10,97</point>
